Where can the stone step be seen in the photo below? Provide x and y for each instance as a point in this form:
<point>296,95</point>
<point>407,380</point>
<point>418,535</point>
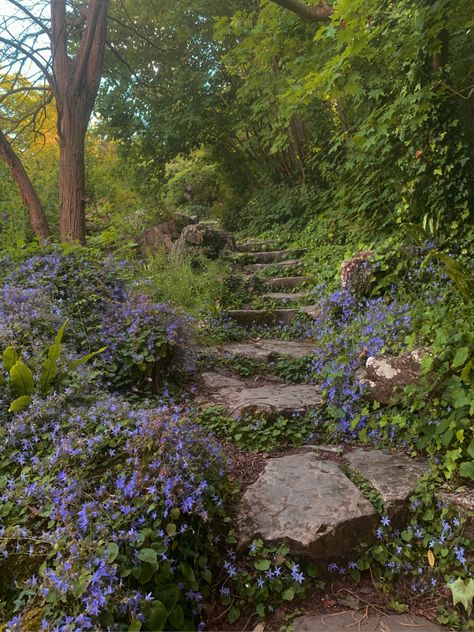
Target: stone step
<point>287,282</point>
<point>285,297</point>
<point>380,468</point>
<point>251,268</point>
<point>270,317</point>
<point>256,246</point>
<point>275,256</point>
<point>263,397</point>
<point>333,516</point>
<point>266,350</point>
<point>362,622</point>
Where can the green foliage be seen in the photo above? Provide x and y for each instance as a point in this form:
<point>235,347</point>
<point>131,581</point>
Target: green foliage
<point>258,433</point>
<point>437,415</point>
<point>431,551</point>
<point>266,577</point>
<point>195,184</point>
<point>20,379</point>
<point>190,282</point>
<point>463,592</point>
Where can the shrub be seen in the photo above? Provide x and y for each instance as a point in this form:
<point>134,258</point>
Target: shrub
<point>146,341</point>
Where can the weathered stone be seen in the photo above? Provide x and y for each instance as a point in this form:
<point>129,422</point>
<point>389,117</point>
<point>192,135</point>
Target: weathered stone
<point>251,268</point>
<point>267,350</point>
<point>274,256</point>
<point>285,297</point>
<point>159,237</point>
<point>394,475</point>
<point>385,377</point>
<point>162,236</point>
<point>287,282</point>
<point>308,503</point>
<point>204,238</point>
<point>267,398</point>
<point>358,620</point>
<point>332,449</point>
<point>270,317</point>
<point>356,272</point>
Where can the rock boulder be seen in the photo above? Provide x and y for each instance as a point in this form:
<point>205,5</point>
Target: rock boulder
<point>308,503</point>
<point>204,239</point>
<point>385,377</point>
<point>356,273</point>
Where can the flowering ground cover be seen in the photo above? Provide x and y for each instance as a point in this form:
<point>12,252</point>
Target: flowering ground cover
<point>116,505</point>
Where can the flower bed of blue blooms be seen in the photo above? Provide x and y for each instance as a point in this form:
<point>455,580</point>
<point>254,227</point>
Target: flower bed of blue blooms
<point>105,507</point>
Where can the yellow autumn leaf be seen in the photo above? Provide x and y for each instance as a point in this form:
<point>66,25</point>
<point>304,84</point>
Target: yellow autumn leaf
<point>431,558</point>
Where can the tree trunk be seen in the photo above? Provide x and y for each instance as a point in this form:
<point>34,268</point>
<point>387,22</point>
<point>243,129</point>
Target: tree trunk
<point>72,133</point>
<point>38,220</point>
<point>76,82</point>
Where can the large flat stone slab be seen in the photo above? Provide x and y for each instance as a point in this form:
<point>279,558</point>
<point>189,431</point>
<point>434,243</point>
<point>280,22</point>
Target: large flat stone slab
<point>270,317</point>
<point>291,282</point>
<point>264,398</point>
<point>355,620</point>
<point>267,350</point>
<point>251,268</point>
<point>394,475</point>
<point>308,503</point>
<point>285,297</point>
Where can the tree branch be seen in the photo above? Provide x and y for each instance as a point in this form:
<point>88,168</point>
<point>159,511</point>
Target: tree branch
<point>317,13</point>
<point>38,219</point>
<point>61,61</point>
<point>30,15</point>
<point>21,49</point>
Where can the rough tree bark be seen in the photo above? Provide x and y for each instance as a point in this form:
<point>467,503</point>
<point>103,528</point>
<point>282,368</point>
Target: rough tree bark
<point>316,13</point>
<point>38,220</point>
<point>76,82</point>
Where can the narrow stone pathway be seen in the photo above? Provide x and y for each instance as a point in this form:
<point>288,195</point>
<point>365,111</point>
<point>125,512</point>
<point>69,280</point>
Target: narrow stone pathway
<point>308,498</point>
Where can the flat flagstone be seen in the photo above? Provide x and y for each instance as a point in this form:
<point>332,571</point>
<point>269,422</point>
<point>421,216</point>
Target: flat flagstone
<point>287,282</point>
<point>357,620</point>
<point>261,267</point>
<point>269,317</point>
<point>310,504</point>
<point>267,350</point>
<point>394,475</point>
<point>265,397</point>
<point>285,297</point>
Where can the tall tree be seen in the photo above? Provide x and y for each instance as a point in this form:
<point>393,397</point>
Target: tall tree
<point>60,47</point>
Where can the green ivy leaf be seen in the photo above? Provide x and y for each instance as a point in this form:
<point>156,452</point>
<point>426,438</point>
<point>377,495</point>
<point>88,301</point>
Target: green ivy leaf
<point>148,555</point>
<point>262,565</point>
<point>466,469</point>
<point>112,552</point>
<point>463,592</point>
<point>460,357</point>
<point>234,615</point>
<point>288,594</point>
<point>156,617</point>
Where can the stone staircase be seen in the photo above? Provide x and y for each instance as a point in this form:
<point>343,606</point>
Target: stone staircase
<point>307,498</point>
<point>270,266</point>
